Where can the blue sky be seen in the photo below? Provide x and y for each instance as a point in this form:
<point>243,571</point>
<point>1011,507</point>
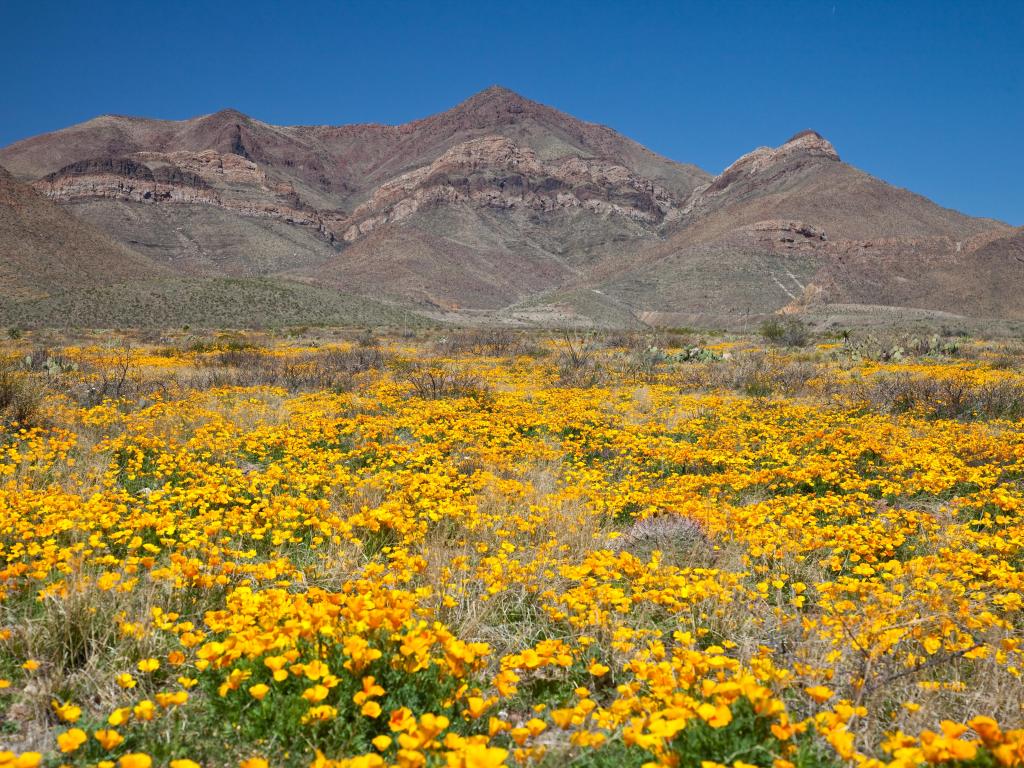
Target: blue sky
<point>926,95</point>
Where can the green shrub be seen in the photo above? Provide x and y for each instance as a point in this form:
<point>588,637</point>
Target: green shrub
<point>788,332</point>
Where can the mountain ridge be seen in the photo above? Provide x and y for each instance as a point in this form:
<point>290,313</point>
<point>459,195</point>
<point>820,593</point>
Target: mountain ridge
<point>501,200</point>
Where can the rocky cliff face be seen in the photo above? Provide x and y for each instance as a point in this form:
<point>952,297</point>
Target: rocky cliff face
<point>495,172</point>
<point>489,172</point>
<point>125,179</point>
<point>761,168</point>
<point>225,181</point>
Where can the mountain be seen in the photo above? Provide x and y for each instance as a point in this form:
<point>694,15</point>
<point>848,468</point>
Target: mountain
<point>503,209</point>
<point>332,185</point>
<point>794,227</point>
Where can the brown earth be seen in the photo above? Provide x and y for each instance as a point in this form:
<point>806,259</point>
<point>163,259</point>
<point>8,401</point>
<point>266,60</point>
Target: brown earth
<point>44,248</point>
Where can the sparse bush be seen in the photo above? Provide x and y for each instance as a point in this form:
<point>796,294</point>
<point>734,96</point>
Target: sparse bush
<point>152,336</point>
<point>758,374</point>
<point>578,363</point>
<point>327,369</point>
<point>113,380</point>
<point>201,346</point>
<point>21,396</point>
<point>788,332</point>
<point>331,369</point>
<point>493,342</point>
<point>435,382</point>
<point>948,397</point>
<point>239,356</point>
<point>644,364</point>
<point>366,338</point>
<point>772,330</point>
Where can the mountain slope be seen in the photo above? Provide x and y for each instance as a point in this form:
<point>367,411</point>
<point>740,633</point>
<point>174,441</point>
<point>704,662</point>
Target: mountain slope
<point>805,179</point>
<point>57,270</point>
<point>45,249</point>
<point>784,226</point>
<point>978,277</point>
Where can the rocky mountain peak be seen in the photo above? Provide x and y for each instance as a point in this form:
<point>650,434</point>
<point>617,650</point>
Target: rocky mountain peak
<point>811,141</point>
<point>228,115</point>
<point>803,148</point>
<point>497,94</point>
<point>807,143</point>
<point>494,106</point>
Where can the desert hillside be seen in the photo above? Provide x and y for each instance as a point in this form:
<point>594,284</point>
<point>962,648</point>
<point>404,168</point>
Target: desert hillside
<point>499,210</point>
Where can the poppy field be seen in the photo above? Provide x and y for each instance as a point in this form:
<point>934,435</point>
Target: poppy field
<point>487,549</point>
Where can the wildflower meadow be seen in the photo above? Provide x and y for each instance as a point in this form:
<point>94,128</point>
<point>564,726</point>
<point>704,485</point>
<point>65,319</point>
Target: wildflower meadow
<point>475,549</point>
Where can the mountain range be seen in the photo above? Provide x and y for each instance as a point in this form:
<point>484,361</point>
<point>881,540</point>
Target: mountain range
<point>500,210</point>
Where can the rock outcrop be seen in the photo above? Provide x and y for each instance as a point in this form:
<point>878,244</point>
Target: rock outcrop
<point>495,172</point>
<point>763,166</point>
<point>225,181</point>
<point>491,172</point>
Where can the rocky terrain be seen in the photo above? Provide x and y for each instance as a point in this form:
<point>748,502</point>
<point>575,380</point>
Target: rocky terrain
<point>794,226</point>
<point>500,209</point>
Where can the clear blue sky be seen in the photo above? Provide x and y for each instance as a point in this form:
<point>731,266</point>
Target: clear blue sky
<point>928,95</point>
